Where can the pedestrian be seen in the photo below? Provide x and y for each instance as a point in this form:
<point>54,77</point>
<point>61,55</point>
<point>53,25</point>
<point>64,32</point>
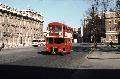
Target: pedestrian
<point>111,44</point>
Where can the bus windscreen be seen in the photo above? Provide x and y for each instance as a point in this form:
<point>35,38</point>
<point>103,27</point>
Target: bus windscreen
<point>58,40</point>
<point>50,40</point>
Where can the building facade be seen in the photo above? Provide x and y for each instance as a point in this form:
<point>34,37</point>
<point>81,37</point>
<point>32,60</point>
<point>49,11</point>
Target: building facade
<point>112,30</point>
<point>19,27</point>
<point>77,35</point>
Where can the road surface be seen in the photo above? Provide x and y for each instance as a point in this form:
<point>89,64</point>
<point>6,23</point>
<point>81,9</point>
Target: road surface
<point>19,62</point>
<point>32,57</point>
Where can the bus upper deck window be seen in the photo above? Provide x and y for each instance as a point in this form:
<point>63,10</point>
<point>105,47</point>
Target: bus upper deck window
<point>58,28</point>
<point>50,28</point>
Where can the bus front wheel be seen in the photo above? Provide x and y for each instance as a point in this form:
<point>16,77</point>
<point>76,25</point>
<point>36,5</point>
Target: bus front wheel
<point>63,53</point>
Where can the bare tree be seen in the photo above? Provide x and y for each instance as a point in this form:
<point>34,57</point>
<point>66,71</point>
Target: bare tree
<point>97,7</point>
<point>102,4</point>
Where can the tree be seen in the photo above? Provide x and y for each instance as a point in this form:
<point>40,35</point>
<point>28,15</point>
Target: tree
<point>102,4</point>
<point>97,6</point>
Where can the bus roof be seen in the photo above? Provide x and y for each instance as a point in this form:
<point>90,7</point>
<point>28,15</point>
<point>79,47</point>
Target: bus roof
<point>55,24</point>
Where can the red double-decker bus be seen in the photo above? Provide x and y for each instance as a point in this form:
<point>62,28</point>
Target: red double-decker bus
<point>59,38</point>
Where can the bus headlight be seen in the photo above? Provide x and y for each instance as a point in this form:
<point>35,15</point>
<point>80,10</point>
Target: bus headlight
<point>60,50</point>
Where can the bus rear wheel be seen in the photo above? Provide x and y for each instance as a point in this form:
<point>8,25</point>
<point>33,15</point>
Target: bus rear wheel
<point>69,52</point>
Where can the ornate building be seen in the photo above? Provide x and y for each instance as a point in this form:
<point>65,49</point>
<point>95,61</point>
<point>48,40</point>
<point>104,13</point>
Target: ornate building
<point>19,27</point>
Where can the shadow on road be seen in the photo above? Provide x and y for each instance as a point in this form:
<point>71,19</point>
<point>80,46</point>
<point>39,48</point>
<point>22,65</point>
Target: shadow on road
<point>108,49</point>
<point>81,49</point>
<point>41,52</point>
<point>44,53</point>
<point>14,71</point>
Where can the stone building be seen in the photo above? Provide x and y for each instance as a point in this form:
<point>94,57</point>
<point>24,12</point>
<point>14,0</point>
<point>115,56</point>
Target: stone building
<point>107,31</point>
<point>19,27</point>
<point>112,30</point>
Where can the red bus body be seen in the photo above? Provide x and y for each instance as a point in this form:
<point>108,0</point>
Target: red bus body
<point>59,38</point>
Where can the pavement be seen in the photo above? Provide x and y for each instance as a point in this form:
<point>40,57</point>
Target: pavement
<point>17,47</point>
<point>96,55</point>
<point>104,53</point>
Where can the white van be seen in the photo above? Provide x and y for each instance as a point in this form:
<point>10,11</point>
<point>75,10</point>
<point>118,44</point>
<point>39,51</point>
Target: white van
<point>35,42</point>
<point>38,42</point>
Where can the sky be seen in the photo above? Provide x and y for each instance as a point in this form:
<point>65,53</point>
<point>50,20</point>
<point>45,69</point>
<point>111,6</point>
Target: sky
<point>69,12</point>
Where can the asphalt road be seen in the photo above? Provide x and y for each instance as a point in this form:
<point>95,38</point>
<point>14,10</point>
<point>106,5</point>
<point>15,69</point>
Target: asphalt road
<point>33,57</point>
<point>76,60</point>
<point>30,63</point>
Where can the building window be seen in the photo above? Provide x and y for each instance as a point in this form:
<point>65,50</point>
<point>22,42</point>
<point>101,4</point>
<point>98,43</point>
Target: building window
<point>116,37</point>
<point>20,23</point>
<point>110,28</point>
<point>110,38</point>
<point>116,28</point>
<point>115,21</point>
<point>109,22</point>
